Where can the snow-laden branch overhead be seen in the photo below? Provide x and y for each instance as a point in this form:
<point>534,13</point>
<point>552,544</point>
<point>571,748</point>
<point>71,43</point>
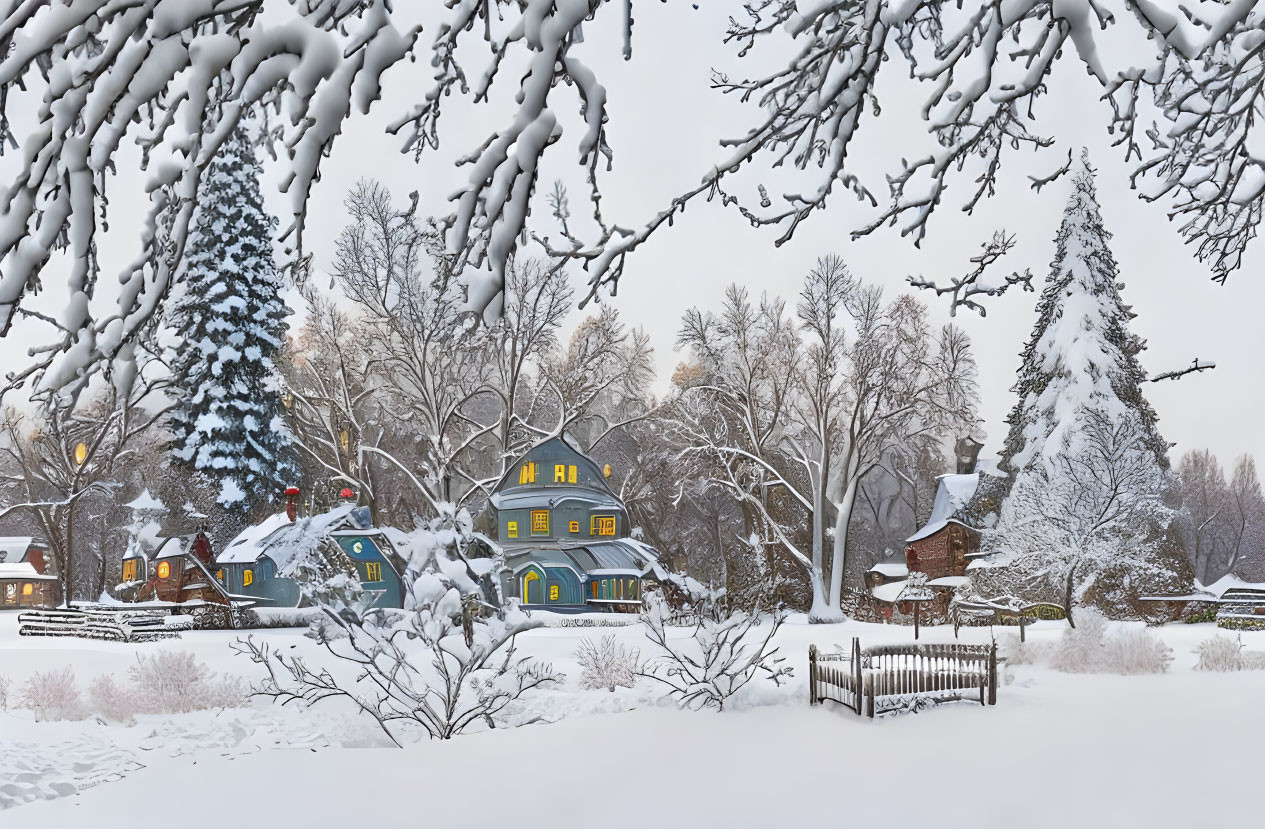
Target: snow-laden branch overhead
<point>150,72</point>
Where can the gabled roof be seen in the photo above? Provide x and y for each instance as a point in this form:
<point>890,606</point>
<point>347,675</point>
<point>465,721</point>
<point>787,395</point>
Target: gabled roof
<point>506,482</point>
<point>287,543</point>
<point>13,548</point>
<point>623,555</point>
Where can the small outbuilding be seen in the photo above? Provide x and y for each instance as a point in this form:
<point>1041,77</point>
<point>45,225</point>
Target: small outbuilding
<point>21,585</point>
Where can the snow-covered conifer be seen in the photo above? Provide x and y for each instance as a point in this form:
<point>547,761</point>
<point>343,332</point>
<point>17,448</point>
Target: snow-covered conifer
<point>230,322</point>
<point>1084,519</point>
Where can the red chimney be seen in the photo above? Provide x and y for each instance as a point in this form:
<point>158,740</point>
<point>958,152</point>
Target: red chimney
<point>292,503</point>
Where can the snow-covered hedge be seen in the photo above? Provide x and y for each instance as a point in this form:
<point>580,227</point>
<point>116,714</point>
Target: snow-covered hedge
<point>1221,653</point>
<point>1094,646</point>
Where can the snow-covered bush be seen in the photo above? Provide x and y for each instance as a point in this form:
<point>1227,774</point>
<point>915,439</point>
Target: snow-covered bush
<point>607,664</point>
<point>174,682</point>
<point>52,695</point>
<point>110,699</point>
<point>444,664</point>
<point>1016,651</point>
<point>1093,647</point>
<point>725,652</point>
<point>1220,653</point>
<point>4,692</point>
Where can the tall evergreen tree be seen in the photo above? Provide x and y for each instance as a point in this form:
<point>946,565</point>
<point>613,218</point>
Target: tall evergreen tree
<point>1081,355</point>
<point>1084,520</point>
<point>230,323</point>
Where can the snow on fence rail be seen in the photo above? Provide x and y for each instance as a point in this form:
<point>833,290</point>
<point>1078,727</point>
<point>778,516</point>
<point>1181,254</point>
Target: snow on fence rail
<point>131,626</point>
<point>898,677</point>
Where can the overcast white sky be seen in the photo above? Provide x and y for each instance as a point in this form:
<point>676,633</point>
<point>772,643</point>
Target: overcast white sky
<point>664,122</point>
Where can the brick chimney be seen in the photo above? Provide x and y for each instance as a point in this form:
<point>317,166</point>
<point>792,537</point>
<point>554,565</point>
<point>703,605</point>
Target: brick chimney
<point>292,503</point>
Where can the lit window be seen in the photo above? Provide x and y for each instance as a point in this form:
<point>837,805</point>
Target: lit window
<point>571,474</point>
<point>539,521</point>
<point>595,590</point>
<point>574,526</point>
<point>219,575</point>
<point>248,578</point>
<point>553,592</point>
<point>129,570</point>
<point>164,570</point>
<point>527,473</point>
<point>373,571</point>
<point>511,529</point>
<point>560,473</point>
<point>602,525</point>
<point>28,589</point>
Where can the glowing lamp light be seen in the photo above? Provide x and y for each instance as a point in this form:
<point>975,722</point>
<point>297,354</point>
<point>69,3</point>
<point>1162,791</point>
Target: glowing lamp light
<point>606,471</point>
<point>164,570</point>
<point>81,453</point>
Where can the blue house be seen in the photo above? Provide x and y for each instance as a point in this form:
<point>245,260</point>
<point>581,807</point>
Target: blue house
<point>565,533</point>
<point>268,560</point>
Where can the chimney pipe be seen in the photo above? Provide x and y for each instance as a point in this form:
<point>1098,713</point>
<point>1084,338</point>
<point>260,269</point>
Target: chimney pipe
<point>292,503</point>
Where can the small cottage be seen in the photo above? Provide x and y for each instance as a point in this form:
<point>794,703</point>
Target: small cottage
<point>269,561</point>
<point>24,548</point>
<point>22,585</point>
<point>943,548</point>
<point>565,534</point>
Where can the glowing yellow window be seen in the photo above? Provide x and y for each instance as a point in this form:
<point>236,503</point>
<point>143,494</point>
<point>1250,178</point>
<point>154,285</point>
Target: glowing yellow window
<point>373,571</point>
<point>602,525</point>
<point>571,474</point>
<point>511,529</point>
<point>539,521</point>
<point>28,589</point>
<point>219,575</point>
<point>129,570</point>
<point>553,592</point>
<point>164,569</point>
<point>527,473</point>
<point>560,473</point>
<point>574,526</point>
<point>248,578</point>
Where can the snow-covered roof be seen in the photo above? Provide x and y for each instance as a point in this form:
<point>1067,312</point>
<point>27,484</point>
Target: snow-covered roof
<point>13,547</point>
<point>1228,582</point>
<point>174,546</point>
<point>145,501</point>
<point>889,592</point>
<point>891,567</point>
<point>952,494</point>
<point>284,542</point>
<point>948,581</point>
<point>22,570</point>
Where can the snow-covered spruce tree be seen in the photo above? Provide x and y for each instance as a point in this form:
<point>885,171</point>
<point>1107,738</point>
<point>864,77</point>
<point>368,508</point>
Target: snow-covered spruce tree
<point>230,322</point>
<point>1084,519</point>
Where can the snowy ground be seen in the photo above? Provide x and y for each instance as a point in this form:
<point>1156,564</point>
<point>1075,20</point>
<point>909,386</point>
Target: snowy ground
<point>1164,750</point>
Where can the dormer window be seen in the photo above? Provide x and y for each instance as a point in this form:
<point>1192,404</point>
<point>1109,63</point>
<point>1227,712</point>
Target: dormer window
<point>563,474</point>
<point>527,473</point>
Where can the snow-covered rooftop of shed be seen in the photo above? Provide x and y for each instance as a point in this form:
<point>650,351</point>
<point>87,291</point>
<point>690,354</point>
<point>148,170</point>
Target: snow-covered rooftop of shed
<point>889,592</point>
<point>952,494</point>
<point>948,581</point>
<point>174,546</point>
<point>892,567</point>
<point>13,547</point>
<point>22,570</point>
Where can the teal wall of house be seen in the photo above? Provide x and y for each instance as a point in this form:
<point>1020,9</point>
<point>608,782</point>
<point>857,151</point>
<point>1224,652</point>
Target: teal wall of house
<point>265,585</point>
<point>373,569</point>
<point>544,585</point>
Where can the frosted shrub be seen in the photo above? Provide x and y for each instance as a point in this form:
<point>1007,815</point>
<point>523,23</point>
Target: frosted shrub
<point>110,700</point>
<point>607,665</point>
<point>725,651</point>
<point>1093,648</point>
<point>1018,652</point>
<point>1221,653</point>
<point>1136,651</point>
<point>4,692</point>
<point>174,682</point>
<point>52,696</point>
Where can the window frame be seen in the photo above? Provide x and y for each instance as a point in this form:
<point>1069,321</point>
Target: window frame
<point>595,524</point>
<point>538,526</point>
<point>511,529</point>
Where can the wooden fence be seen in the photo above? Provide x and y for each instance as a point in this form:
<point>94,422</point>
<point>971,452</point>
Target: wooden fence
<point>895,677</point>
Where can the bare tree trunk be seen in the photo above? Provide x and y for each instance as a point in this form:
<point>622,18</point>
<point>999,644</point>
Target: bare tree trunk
<point>839,564</point>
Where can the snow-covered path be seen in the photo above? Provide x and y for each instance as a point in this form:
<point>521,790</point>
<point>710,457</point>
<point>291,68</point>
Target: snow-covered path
<point>1165,750</point>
